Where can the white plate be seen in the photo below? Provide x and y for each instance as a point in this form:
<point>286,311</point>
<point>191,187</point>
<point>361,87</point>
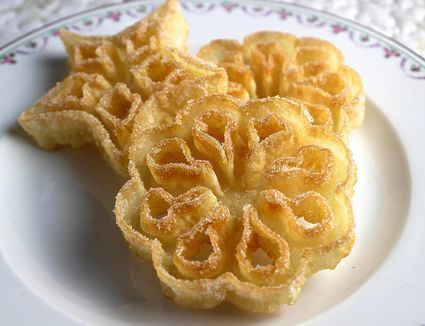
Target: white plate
<point>63,259</point>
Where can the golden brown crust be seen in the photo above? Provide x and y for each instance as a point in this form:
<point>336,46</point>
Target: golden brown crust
<point>116,80</point>
<point>215,181</point>
<point>112,55</point>
<point>227,180</point>
<point>308,69</point>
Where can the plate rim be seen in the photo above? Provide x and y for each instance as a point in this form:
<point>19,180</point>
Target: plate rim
<point>100,9</point>
<point>11,45</point>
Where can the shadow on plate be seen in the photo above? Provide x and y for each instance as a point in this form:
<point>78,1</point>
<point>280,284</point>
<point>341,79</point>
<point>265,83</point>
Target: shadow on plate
<point>78,244</point>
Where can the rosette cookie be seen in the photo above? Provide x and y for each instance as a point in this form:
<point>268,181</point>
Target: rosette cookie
<point>116,79</point>
<point>308,69</point>
<point>238,202</point>
<point>113,56</point>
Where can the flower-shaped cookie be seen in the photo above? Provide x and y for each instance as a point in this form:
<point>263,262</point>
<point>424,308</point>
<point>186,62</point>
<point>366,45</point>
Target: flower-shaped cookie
<point>113,56</point>
<point>119,79</point>
<point>307,69</point>
<point>238,202</point>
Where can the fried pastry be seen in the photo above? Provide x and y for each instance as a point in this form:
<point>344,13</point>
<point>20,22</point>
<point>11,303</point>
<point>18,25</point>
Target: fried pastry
<point>238,201</point>
<point>87,108</point>
<point>308,69</point>
<point>116,80</point>
<point>112,56</point>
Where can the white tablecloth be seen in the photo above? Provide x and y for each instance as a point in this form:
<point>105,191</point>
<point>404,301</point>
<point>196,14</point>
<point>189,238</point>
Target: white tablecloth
<point>403,20</point>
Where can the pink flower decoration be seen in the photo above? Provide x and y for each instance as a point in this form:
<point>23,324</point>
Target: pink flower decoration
<point>283,14</point>
<point>336,28</point>
<point>388,53</point>
<point>8,59</point>
<point>115,16</point>
<point>228,6</point>
<point>415,68</point>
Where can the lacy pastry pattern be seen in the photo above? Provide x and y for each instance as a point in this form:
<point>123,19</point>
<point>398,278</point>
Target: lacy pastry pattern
<point>310,70</point>
<point>115,80</point>
<point>228,181</point>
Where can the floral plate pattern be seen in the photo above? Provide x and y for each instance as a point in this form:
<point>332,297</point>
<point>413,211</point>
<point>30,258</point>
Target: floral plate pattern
<point>361,38</point>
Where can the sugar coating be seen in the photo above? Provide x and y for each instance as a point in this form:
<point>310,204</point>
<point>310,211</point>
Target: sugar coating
<point>116,80</point>
<point>232,178</point>
<point>308,69</point>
